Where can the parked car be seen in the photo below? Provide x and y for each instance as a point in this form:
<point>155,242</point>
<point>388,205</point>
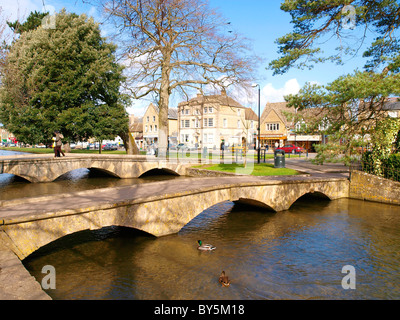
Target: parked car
<point>182,146</point>
<point>171,146</point>
<point>291,148</point>
<point>110,146</point>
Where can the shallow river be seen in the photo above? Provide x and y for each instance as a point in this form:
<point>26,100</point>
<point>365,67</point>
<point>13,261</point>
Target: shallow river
<point>296,254</point>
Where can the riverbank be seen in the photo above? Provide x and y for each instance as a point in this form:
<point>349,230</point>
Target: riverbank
<point>16,283</point>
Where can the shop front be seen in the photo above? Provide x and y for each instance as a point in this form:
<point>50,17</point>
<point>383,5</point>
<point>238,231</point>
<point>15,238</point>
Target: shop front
<point>273,140</point>
<point>307,142</point>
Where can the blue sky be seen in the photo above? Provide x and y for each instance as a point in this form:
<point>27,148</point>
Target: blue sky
<point>262,21</point>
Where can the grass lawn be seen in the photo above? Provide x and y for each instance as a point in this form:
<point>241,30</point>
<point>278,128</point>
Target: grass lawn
<point>262,169</point>
<point>50,150</point>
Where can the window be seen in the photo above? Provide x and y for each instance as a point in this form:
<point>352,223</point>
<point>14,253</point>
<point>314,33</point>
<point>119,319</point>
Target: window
<point>205,138</point>
<point>211,122</point>
<point>300,126</point>
<point>205,110</point>
<point>205,122</point>
<point>154,118</point>
<point>272,127</point>
<point>238,112</point>
<point>238,123</point>
<point>252,124</point>
<point>196,123</point>
<point>151,128</point>
<point>210,110</point>
<point>182,123</point>
<point>187,111</point>
<point>225,123</point>
<point>187,124</point>
<point>145,128</point>
<point>210,138</point>
<point>183,111</point>
<point>148,118</point>
<point>155,128</point>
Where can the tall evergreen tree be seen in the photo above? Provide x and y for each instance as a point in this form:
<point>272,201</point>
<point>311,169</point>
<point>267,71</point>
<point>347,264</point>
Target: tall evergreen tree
<point>65,79</point>
<point>33,21</point>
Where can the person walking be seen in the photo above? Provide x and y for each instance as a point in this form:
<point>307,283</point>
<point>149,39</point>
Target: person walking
<point>58,144</point>
<point>222,148</point>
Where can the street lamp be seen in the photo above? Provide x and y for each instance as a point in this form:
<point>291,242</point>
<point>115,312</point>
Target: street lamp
<point>259,123</point>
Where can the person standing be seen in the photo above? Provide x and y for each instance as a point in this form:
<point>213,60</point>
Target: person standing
<point>58,144</point>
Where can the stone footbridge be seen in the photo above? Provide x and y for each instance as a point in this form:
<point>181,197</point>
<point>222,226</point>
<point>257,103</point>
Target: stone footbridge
<point>158,208</point>
<point>47,169</point>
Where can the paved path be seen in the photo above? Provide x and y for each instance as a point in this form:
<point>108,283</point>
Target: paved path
<point>16,283</point>
<point>18,209</point>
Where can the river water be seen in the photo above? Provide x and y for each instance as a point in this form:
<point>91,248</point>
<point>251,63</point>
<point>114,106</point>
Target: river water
<point>295,254</point>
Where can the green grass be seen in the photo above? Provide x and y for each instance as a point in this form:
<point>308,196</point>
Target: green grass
<point>262,169</point>
<point>50,150</point>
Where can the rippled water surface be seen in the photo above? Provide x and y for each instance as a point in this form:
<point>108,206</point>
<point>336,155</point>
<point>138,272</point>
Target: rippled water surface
<point>296,254</point>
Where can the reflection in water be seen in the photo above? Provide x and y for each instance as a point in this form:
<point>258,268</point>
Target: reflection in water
<point>296,254</point>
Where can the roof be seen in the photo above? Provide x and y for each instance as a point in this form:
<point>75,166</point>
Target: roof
<point>172,112</point>
<point>221,99</point>
<point>137,125</point>
<point>279,108</point>
<point>282,110</point>
<point>250,114</point>
<point>392,104</point>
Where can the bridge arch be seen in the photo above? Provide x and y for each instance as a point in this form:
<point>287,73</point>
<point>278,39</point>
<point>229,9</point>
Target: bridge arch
<point>95,170</point>
<point>255,203</point>
<point>22,177</point>
<point>312,194</point>
<point>159,171</point>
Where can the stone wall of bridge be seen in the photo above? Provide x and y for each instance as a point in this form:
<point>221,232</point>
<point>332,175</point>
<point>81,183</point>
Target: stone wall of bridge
<point>160,214</point>
<point>364,186</point>
<point>49,169</point>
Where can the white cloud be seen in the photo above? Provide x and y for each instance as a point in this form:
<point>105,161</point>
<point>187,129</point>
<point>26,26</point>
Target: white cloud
<point>20,9</point>
<point>270,94</point>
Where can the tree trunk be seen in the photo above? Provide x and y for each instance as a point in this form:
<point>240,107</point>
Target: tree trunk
<point>67,147</point>
<point>163,112</point>
<point>129,143</point>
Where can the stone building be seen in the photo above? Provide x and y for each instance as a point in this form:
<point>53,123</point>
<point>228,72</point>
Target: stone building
<point>150,125</point>
<point>5,136</point>
<point>136,130</point>
<point>281,125</point>
<point>206,121</point>
<point>392,107</point>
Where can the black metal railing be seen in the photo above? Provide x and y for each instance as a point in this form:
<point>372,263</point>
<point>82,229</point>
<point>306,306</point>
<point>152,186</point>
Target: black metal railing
<point>383,170</point>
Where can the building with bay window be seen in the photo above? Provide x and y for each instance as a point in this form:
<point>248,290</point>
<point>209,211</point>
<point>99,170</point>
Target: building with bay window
<point>206,121</point>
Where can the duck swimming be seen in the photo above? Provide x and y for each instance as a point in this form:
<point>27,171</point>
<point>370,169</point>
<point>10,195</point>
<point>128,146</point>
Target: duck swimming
<point>223,279</point>
<point>205,247</point>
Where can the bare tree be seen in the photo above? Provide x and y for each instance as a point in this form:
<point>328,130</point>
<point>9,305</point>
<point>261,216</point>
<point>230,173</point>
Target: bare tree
<point>178,46</point>
<point>3,41</point>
